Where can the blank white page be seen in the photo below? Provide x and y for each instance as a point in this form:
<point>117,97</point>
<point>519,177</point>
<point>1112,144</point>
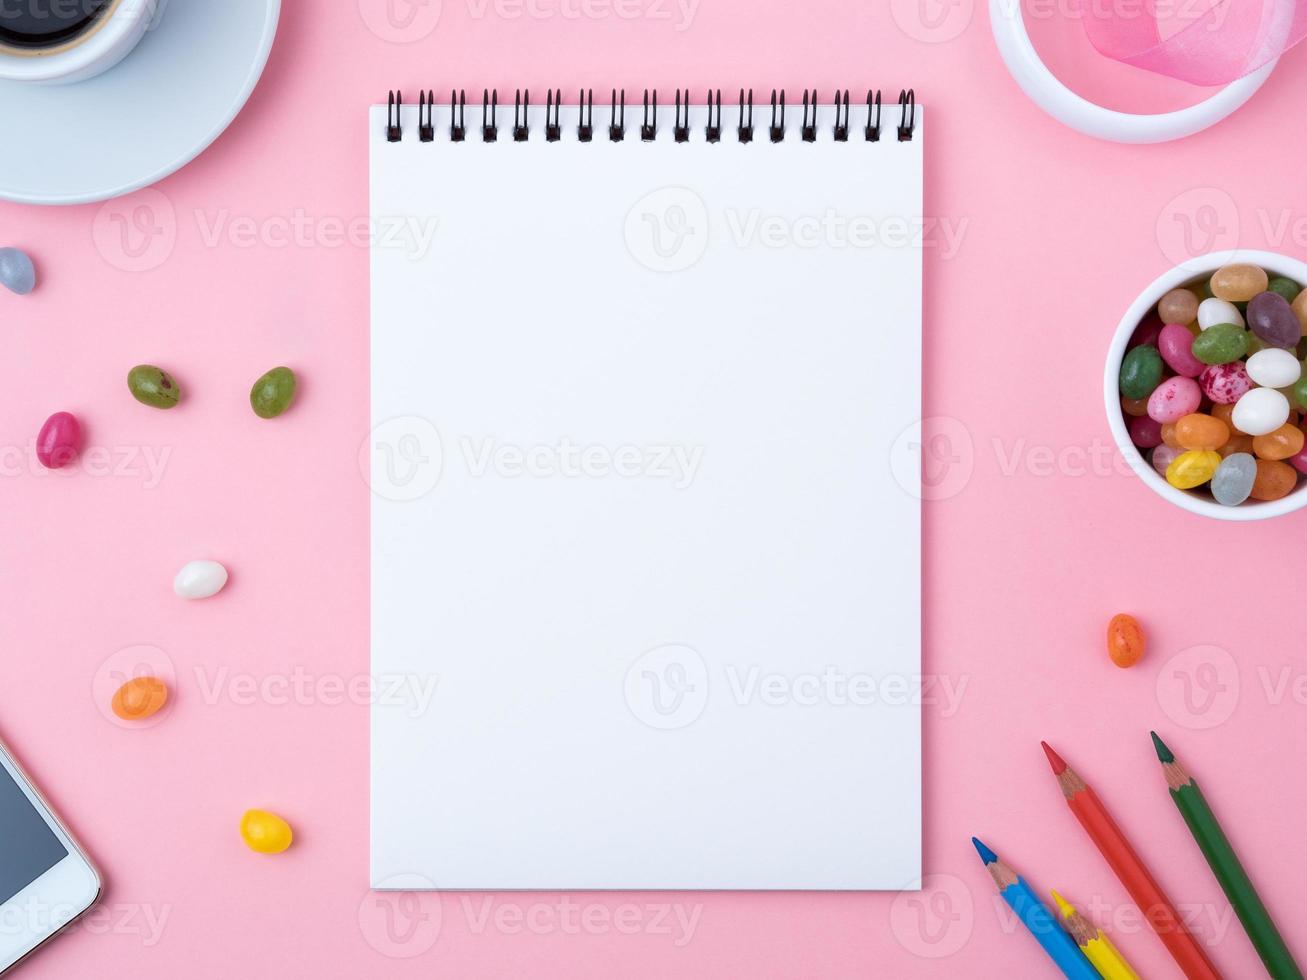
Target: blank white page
<point>645,589</point>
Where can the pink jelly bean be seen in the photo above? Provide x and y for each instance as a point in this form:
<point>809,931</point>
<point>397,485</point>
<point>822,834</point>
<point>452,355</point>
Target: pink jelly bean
<point>1145,432</point>
<point>58,441</point>
<point>1225,384</point>
<point>1162,457</point>
<point>1299,462</point>
<point>1175,344</point>
<point>1173,399</point>
<point>1147,332</point>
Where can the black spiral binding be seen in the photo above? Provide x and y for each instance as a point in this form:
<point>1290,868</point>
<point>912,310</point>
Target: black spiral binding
<point>457,116</point>
<point>616,126</point>
<point>585,129</point>
<point>907,114</point>
<point>777,130</point>
<point>872,132</point>
<point>553,109</point>
<point>489,130</point>
<point>649,124</point>
<point>808,130</point>
<point>681,128</point>
<point>841,131</point>
<point>520,130</point>
<point>394,130</point>
<point>713,131</point>
<point>426,113</point>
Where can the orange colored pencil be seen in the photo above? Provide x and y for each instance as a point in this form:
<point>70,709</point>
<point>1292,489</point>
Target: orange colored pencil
<point>1130,869</point>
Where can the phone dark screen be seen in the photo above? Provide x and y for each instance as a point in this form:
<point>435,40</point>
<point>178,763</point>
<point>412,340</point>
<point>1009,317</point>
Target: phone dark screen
<point>28,848</point>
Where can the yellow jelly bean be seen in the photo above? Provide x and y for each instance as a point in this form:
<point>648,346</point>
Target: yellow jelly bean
<point>265,832</point>
<point>1192,469</point>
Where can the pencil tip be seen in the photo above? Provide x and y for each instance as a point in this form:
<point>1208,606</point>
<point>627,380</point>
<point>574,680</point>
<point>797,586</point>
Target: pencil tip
<point>986,855</point>
<point>1064,908</point>
<point>1054,759</point>
<point>1163,753</point>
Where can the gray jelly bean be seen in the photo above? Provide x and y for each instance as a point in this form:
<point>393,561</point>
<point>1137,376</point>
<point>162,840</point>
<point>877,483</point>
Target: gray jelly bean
<point>1233,480</point>
<point>1272,319</point>
<point>16,271</point>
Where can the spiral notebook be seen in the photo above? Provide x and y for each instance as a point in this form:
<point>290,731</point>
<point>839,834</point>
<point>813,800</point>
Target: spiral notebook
<point>645,563</point>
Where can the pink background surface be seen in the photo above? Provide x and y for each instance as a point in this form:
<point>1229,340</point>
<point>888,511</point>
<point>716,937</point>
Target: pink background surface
<point>1036,537</point>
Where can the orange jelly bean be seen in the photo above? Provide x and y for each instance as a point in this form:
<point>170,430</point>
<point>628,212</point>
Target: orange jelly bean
<point>139,698</point>
<point>1225,413</point>
<point>1299,307</point>
<point>1199,431</point>
<point>1238,282</point>
<point>1239,442</point>
<point>1134,407</point>
<point>1178,306</point>
<point>1284,442</point>
<point>1274,480</point>
<point>1168,435</point>
<point>1125,640</point>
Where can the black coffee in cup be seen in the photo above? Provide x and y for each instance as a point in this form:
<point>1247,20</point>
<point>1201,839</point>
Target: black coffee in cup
<point>35,25</point>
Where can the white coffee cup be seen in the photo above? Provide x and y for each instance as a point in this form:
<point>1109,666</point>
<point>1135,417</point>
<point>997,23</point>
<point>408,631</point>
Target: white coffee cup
<point>117,28</point>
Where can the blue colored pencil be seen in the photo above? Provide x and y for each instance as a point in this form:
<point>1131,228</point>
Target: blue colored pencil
<point>1057,943</point>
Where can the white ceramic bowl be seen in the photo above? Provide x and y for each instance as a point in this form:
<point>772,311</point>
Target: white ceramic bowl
<point>1194,270</point>
<point>1047,91</point>
<point>120,29</point>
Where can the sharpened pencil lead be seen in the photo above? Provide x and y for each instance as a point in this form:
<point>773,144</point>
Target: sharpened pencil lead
<point>1054,759</point>
<point>1163,753</point>
<point>986,855</point>
<point>1063,906</point>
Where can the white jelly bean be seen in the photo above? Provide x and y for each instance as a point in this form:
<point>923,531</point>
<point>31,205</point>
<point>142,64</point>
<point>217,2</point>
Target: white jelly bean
<point>1273,367</point>
<point>1260,411</point>
<point>1213,311</point>
<point>200,579</point>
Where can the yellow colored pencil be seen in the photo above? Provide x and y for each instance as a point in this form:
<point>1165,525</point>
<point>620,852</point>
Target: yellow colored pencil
<point>1098,949</point>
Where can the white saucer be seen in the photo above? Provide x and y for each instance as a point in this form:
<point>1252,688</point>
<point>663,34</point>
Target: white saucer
<point>143,119</point>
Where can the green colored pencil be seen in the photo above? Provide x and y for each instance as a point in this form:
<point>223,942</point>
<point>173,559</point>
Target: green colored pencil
<point>1225,865</point>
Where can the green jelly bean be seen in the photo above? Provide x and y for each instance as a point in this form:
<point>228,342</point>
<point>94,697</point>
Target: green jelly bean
<point>273,393</point>
<point>1221,343</point>
<point>1285,287</point>
<point>1300,392</point>
<point>153,386</point>
<point>1141,371</point>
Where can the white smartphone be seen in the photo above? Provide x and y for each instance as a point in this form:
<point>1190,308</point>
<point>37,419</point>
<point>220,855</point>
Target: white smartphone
<point>46,881</point>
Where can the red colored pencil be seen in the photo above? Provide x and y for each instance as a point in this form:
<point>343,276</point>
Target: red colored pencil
<point>1143,889</point>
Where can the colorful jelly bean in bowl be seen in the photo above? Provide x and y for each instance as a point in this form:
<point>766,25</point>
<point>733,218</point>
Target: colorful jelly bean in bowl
<point>1206,385</point>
